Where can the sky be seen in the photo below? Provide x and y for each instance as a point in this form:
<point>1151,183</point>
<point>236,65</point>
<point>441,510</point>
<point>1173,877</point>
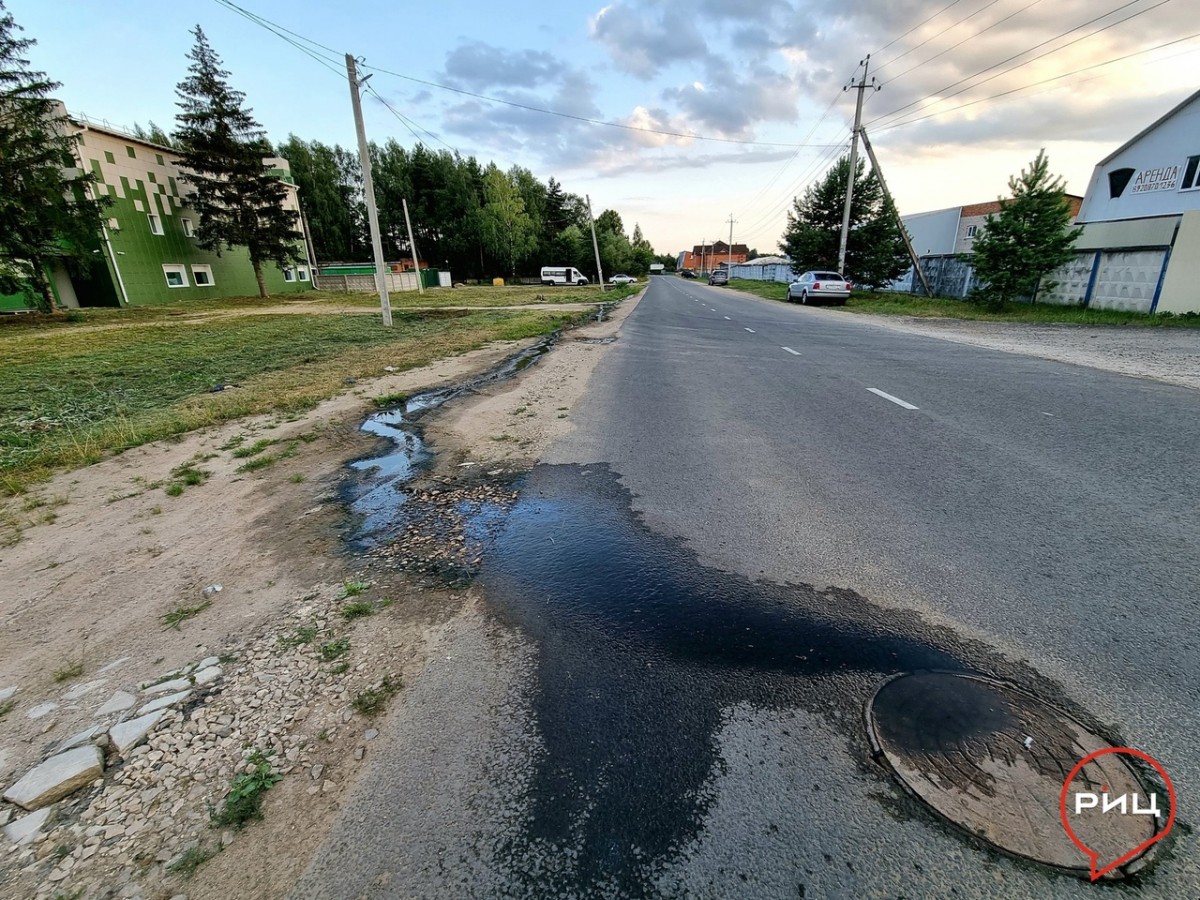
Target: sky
<point>752,93</point>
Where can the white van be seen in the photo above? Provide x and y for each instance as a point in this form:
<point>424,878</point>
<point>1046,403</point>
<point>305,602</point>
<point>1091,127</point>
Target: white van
<point>562,275</point>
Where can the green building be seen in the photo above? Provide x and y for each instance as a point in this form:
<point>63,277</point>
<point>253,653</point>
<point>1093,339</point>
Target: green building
<point>146,252</point>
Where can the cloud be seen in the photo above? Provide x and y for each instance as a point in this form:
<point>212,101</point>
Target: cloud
<point>643,41</point>
<point>477,65</point>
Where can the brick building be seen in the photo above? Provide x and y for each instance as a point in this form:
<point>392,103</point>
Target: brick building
<point>706,257</point>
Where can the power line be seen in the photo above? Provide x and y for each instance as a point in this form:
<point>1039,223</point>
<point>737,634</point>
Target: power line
<point>934,37</point>
<point>915,27</point>
<point>407,122</point>
<point>1107,62</point>
<point>1003,62</point>
<point>942,53</point>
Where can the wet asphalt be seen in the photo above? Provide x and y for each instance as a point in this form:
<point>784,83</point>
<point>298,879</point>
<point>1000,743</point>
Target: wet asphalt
<point>700,587</point>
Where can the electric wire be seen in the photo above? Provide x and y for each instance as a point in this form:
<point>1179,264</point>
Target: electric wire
<point>934,37</point>
<point>920,24</point>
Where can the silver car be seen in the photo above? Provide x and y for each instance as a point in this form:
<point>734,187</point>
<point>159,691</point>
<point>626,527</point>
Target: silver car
<point>819,287</point>
<point>622,279</point>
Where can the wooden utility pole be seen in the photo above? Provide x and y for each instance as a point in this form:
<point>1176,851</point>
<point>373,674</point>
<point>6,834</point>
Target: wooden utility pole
<point>912,254</point>
<point>860,86</point>
<point>732,222</point>
<point>595,245</point>
<point>364,160</point>
<point>412,244</point>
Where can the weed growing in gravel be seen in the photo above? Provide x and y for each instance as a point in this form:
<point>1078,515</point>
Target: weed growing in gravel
<point>186,475</point>
<point>332,650</point>
<point>298,478</point>
<point>373,699</point>
<point>353,589</point>
<point>233,442</point>
<point>305,634</point>
<point>253,450</point>
<point>244,801</point>
<point>183,613</point>
<point>341,667</point>
<point>358,609</point>
<point>385,400</point>
<point>6,707</point>
<point>190,860</point>
<point>269,459</point>
<point>69,671</point>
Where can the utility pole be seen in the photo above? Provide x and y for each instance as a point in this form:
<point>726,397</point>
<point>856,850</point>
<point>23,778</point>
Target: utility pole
<point>861,86</point>
<point>595,246</point>
<point>732,222</point>
<point>412,244</point>
<point>364,160</point>
<point>912,254</point>
<point>703,253</point>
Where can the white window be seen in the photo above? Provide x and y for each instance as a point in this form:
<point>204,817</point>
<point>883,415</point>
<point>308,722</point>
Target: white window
<point>187,227</point>
<point>176,275</point>
<point>303,272</point>
<point>202,275</point>
<point>1191,174</point>
<point>289,274</point>
<point>971,230</point>
<point>155,223</point>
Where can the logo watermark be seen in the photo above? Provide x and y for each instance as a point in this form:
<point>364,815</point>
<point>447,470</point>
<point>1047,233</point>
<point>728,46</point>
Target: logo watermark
<point>1105,801</point>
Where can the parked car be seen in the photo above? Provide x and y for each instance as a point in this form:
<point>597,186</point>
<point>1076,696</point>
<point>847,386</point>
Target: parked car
<point>719,277</point>
<point>686,273</point>
<point>819,287</point>
<point>622,279</point>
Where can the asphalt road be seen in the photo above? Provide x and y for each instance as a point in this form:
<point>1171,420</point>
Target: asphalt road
<point>764,510</point>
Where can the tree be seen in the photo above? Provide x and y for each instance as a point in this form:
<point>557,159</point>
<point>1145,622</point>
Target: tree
<point>875,252</point>
<point>508,231</point>
<point>46,211</point>
<point>1030,238</point>
<point>222,149</point>
<point>153,134</point>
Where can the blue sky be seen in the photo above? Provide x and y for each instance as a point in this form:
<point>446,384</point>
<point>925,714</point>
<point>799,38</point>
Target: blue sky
<point>764,77</point>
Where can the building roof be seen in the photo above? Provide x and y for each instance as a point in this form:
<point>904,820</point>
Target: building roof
<point>1149,128</point>
<point>767,261</point>
<point>719,247</point>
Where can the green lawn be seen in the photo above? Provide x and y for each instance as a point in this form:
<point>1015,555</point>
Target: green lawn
<point>885,303</point>
<point>76,390</point>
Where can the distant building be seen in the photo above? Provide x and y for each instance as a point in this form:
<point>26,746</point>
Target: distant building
<point>146,252</point>
<point>706,257</point>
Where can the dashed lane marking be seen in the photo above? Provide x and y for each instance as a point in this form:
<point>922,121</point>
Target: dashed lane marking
<point>791,351</point>
<point>878,393</point>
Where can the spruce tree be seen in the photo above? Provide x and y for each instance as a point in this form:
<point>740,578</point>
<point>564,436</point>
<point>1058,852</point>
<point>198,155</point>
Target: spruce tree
<point>222,148</point>
<point>46,208</point>
<point>1030,238</point>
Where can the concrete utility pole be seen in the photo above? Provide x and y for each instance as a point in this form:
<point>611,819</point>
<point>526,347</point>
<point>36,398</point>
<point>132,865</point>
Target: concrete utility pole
<point>364,160</point>
<point>912,254</point>
<point>732,222</point>
<point>703,253</point>
<point>412,244</point>
<point>595,246</point>
<point>861,86</point>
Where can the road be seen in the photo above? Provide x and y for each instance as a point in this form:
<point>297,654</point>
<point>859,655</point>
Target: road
<point>764,510</point>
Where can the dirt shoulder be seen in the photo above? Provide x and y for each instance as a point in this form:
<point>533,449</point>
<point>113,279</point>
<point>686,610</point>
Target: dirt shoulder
<point>268,676</point>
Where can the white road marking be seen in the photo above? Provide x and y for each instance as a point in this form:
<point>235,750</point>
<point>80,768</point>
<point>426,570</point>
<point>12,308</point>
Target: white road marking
<point>727,319</point>
<point>752,331</point>
<point>791,351</point>
<point>896,400</point>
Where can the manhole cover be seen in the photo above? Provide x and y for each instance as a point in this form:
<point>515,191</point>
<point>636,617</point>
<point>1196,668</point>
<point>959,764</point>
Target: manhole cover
<point>992,760</point>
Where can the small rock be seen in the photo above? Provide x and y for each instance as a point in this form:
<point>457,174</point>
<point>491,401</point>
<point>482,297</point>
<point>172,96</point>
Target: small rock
<point>317,770</point>
<point>7,692</point>
<point>23,831</point>
<point>168,687</point>
<point>128,735</point>
<point>164,702</point>
<point>371,734</point>
<point>328,787</point>
<point>112,665</point>
<point>57,777</point>
<point>42,709</point>
<point>82,690</point>
<point>212,590</point>
<point>206,662</point>
<point>359,752</point>
<point>118,702</point>
<point>82,737</point>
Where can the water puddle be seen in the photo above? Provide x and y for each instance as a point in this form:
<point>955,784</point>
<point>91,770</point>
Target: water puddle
<point>641,649</point>
<point>376,497</point>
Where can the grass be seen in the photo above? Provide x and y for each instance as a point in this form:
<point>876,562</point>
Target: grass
<point>190,860</point>
<point>67,672</point>
<point>353,589</point>
<point>243,803</point>
<point>186,475</point>
<point>183,613</point>
<point>358,610</point>
<point>386,401</point>
<point>372,701</point>
<point>253,450</point>
<point>305,634</point>
<point>7,706</point>
<point>888,303</point>
<point>121,378</point>
<point>335,649</point>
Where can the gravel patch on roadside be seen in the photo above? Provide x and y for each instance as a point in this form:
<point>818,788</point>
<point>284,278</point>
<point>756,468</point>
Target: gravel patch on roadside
<point>1164,354</point>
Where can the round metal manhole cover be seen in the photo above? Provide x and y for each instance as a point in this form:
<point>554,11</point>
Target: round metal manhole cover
<point>992,760</point>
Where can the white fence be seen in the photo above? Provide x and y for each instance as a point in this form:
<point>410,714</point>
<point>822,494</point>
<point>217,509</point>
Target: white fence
<point>781,272</point>
<point>396,281</point>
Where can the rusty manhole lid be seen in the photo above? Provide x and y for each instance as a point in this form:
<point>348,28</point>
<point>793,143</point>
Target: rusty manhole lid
<point>992,759</point>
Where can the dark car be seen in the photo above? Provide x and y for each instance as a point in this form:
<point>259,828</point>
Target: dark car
<point>719,277</point>
<point>686,273</point>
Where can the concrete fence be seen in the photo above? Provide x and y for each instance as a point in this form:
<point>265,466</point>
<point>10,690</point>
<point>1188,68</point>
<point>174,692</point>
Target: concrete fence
<point>774,272</point>
<point>396,281</point>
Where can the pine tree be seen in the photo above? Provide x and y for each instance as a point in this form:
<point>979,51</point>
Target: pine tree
<point>46,212</point>
<point>222,148</point>
<point>875,252</point>
<point>1030,238</point>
